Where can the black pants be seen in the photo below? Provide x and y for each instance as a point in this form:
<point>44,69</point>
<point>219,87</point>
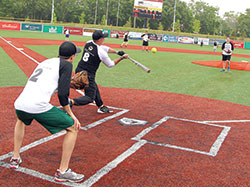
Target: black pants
<point>92,93</point>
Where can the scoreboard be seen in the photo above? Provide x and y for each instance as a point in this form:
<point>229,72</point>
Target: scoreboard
<point>148,8</point>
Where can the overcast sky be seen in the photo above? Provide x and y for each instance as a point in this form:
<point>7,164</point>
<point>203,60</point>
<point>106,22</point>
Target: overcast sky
<point>228,5</point>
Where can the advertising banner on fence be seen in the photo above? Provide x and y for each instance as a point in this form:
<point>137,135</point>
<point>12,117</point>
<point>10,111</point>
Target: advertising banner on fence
<point>115,34</point>
<point>53,29</point>
<point>74,30</point>
<point>135,35</point>
<point>219,42</point>
<point>88,31</point>
<point>185,40</point>
<point>247,45</point>
<point>10,26</point>
<point>204,40</point>
<point>31,27</point>
<point>107,31</point>
<point>170,38</point>
<point>238,44</point>
<point>155,37</point>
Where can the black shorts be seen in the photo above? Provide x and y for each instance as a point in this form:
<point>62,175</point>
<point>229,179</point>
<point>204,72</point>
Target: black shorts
<point>145,43</point>
<point>125,40</point>
<point>226,57</point>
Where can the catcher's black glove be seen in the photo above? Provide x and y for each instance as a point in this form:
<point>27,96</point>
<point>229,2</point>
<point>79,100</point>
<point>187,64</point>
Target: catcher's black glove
<point>121,53</point>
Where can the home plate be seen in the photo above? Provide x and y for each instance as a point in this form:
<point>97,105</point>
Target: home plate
<point>131,122</point>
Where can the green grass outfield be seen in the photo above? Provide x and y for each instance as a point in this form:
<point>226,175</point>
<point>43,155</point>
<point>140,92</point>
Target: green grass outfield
<point>170,72</point>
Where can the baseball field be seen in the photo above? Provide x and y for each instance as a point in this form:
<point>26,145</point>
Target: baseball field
<point>197,118</point>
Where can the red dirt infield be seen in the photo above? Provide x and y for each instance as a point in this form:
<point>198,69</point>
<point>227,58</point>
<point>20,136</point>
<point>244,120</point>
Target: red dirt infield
<point>188,141</point>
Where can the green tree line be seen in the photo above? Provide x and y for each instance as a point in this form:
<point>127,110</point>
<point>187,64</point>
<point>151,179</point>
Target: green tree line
<point>195,17</point>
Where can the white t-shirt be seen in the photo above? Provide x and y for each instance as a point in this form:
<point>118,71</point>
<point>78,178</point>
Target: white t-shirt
<point>227,46</point>
<point>145,37</point>
<point>42,84</point>
<point>103,55</point>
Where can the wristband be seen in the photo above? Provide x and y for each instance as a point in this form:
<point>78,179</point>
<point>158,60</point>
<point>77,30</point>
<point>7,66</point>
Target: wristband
<point>121,57</point>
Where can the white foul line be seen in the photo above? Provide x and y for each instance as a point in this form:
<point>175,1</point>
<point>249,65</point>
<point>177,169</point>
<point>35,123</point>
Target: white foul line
<point>93,179</point>
<point>20,50</point>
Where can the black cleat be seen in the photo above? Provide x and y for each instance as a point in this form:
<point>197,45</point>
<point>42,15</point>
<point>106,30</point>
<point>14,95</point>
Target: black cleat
<point>104,109</point>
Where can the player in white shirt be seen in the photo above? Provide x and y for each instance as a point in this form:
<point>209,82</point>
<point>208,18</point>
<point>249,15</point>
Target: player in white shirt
<point>50,76</point>
<point>227,48</point>
<point>93,54</point>
<point>67,34</point>
<point>145,38</point>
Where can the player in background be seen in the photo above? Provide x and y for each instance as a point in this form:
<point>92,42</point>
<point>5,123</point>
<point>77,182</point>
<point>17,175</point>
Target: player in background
<point>125,40</point>
<point>94,53</point>
<point>33,104</point>
<point>227,48</point>
<point>145,38</point>
<point>201,43</point>
<point>67,33</point>
<point>215,45</point>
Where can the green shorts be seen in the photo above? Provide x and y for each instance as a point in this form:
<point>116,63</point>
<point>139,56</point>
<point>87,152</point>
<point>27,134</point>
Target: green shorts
<point>53,120</point>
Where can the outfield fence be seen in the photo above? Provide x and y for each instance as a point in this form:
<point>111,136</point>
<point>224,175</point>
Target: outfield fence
<point>55,29</point>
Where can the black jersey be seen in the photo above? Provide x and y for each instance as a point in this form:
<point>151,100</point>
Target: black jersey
<point>92,56</point>
<point>90,60</point>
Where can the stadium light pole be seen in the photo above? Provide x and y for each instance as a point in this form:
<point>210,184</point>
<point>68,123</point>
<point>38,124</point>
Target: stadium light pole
<point>52,11</point>
<point>96,11</point>
<point>174,14</point>
<point>118,13</point>
<point>107,12</point>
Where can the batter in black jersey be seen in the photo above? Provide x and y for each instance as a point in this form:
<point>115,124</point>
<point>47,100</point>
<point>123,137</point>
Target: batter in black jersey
<point>94,53</point>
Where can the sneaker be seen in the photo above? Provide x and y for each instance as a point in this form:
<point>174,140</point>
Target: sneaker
<point>68,176</point>
<point>222,70</point>
<point>104,109</point>
<point>15,163</point>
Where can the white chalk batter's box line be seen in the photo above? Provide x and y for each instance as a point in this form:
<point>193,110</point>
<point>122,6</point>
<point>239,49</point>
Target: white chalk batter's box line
<point>213,150</point>
<point>51,137</point>
<point>113,164</point>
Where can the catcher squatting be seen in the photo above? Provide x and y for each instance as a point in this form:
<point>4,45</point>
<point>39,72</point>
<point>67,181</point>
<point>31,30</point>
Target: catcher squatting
<point>33,103</point>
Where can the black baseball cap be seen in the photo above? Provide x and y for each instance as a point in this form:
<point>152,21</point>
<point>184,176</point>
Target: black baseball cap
<point>98,34</point>
<point>68,48</point>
